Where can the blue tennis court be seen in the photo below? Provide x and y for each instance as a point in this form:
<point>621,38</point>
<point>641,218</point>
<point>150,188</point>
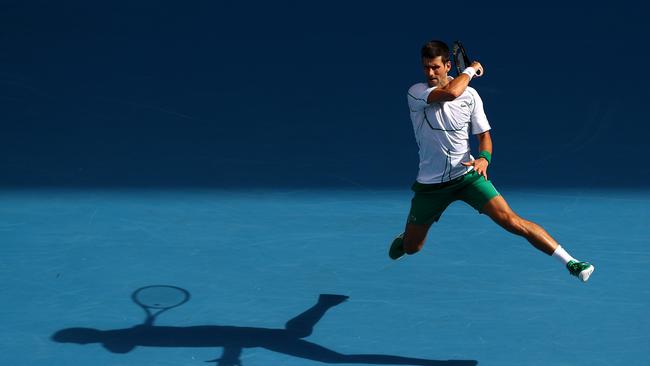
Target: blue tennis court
<point>219,181</point>
<point>252,261</point>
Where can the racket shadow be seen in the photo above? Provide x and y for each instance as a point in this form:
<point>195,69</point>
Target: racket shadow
<point>234,339</point>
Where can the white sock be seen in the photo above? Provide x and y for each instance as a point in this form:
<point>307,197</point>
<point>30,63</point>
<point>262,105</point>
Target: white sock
<point>562,255</point>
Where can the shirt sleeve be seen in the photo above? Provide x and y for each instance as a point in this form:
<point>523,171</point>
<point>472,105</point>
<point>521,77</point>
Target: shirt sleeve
<point>417,97</point>
<point>478,118</point>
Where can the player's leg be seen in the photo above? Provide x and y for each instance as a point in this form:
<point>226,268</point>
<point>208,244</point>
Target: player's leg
<point>410,241</point>
<point>481,194</point>
<point>414,237</point>
<point>427,205</point>
<point>501,213</point>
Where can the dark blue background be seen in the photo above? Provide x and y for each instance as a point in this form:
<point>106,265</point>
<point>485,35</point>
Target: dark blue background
<point>291,94</point>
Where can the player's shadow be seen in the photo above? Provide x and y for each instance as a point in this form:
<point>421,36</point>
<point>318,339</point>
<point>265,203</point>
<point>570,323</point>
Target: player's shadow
<point>234,339</point>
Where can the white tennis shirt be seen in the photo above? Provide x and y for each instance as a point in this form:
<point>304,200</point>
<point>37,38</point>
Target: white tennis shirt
<point>442,132</point>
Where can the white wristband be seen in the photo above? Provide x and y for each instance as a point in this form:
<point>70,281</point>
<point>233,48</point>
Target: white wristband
<point>470,71</point>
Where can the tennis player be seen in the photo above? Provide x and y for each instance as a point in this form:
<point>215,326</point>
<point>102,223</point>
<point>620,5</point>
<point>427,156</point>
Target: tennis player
<point>444,112</point>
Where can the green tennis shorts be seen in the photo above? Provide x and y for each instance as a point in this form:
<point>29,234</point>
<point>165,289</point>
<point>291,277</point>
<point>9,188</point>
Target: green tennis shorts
<point>431,200</point>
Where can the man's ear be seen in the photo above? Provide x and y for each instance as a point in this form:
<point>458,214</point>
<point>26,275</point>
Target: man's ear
<point>448,66</point>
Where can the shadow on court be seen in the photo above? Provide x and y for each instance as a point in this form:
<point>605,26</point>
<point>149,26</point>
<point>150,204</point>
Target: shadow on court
<point>234,339</point>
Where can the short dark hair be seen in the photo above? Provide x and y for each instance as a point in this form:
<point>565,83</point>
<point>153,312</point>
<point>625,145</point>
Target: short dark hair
<point>433,49</point>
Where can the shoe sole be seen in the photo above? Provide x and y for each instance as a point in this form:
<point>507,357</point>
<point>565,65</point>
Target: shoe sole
<point>396,259</point>
<point>584,275</point>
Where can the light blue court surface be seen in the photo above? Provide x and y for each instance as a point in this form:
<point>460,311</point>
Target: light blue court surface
<point>252,261</point>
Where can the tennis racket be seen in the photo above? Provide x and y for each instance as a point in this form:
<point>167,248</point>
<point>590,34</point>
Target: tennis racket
<point>157,299</point>
<point>460,58</point>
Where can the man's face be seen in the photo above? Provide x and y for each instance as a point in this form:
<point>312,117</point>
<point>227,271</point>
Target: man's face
<point>435,70</point>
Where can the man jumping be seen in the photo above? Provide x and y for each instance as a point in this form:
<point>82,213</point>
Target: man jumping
<point>444,111</point>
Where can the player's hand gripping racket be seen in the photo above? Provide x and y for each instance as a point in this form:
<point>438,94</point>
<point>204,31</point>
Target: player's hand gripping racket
<point>460,58</point>
<point>157,299</point>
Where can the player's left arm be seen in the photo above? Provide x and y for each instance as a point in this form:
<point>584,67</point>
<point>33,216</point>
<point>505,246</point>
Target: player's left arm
<point>481,129</point>
<point>484,144</point>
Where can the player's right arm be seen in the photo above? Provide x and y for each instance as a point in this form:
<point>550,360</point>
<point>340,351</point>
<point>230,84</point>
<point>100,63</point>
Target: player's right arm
<point>420,95</point>
<point>454,88</point>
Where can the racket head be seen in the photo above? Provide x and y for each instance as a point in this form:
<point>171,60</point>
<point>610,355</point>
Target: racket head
<point>160,297</point>
<point>461,61</point>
